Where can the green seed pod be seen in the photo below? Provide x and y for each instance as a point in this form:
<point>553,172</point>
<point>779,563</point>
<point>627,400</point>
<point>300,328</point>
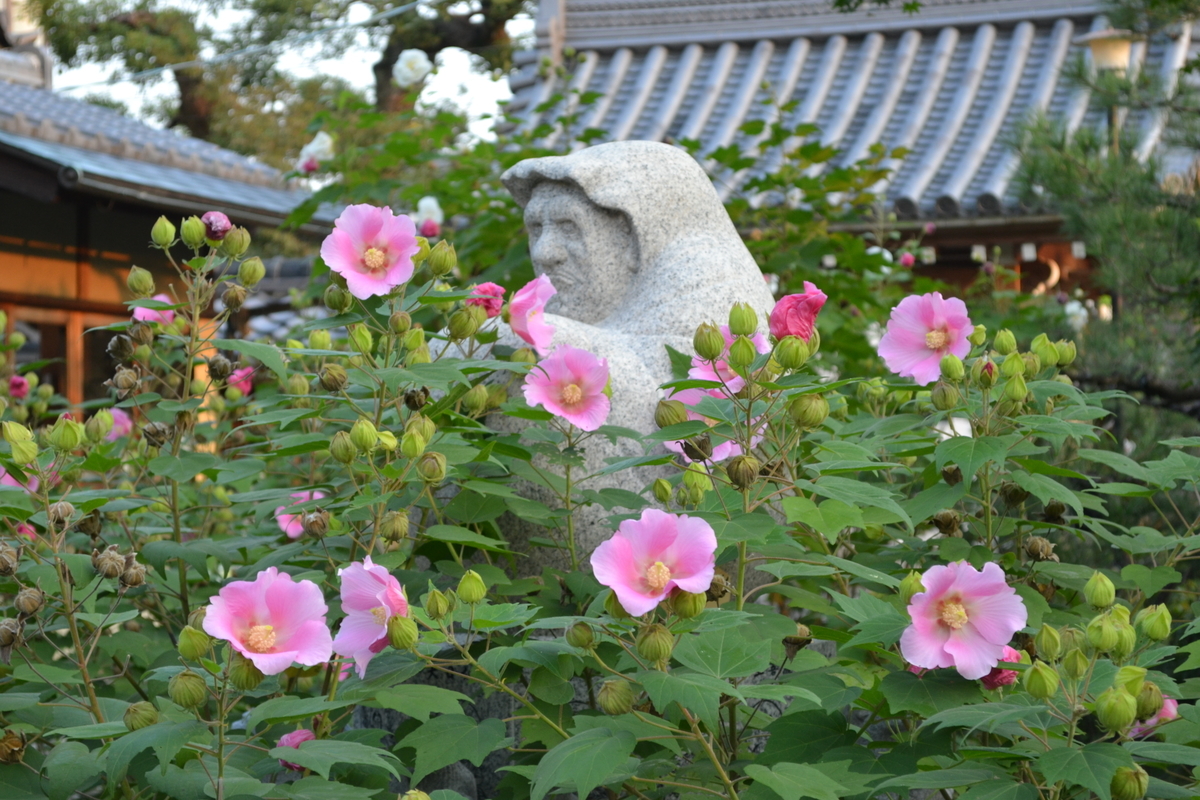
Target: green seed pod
<point>140,715</point>
<point>1048,643</point>
<point>163,233</point>
<point>655,643</point>
<point>418,355</point>
<point>432,467</point>
<point>1012,365</point>
<point>399,322</point>
<point>743,471</point>
<point>361,339</point>
<point>394,526</point>
<point>1075,664</point>
<point>688,604</point>
<point>297,384</point>
<point>670,412</point>
<point>1129,783</point>
<point>243,674</point>
<point>952,368</point>
<point>615,697</point>
<point>1149,700</point>
<point>236,242</point>
<point>1033,364</point>
<point>471,589</point>
<point>140,282</point>
<point>412,445</point>
<point>402,633</point>
<point>234,297</point>
<point>708,342</point>
<point>333,378</point>
<point>475,401</point>
<point>1099,591</point>
<point>320,340</point>
<point>1066,352</point>
<point>193,644</point>
<point>978,336</point>
<point>613,606</point>
<point>99,426</point>
<point>1126,640</point>
<point>24,453</point>
<point>421,425</point>
<point>910,586</point>
<point>1132,678</point>
<point>192,233</point>
<point>791,353</point>
<point>580,635</point>
<point>945,396</point>
<point>66,435</point>
<point>342,448</point>
<point>337,299</point>
<point>1015,389</point>
<point>364,436</point>
<point>187,689</point>
<point>442,259</point>
<point>809,411</point>
<point>1155,622</point>
<point>251,271</point>
<point>1047,354</point>
<point>437,605</point>
<point>1102,634</point>
<point>16,339</point>
<point>662,490</point>
<point>1041,680</point>
<point>743,321</point>
<point>742,352</point>
<point>1116,709</point>
<point>1005,342</point>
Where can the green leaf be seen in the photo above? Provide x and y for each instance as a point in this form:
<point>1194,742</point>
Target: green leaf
<point>939,778</point>
<point>1163,753</point>
<point>1150,581</point>
<point>419,701</point>
<point>320,755</point>
<point>452,737</point>
<point>98,730</point>
<point>166,738</point>
<point>883,630</point>
<point>866,573</point>
<point>829,519</point>
<point>19,782</point>
<point>970,453</point>
<point>625,722</point>
<point>698,693</point>
<point>925,504</point>
<point>1000,789</point>
<point>547,686</point>
<point>70,766</point>
<point>793,781</point>
<point>1045,488</point>
<point>290,709</point>
<point>929,693</point>
<point>1092,767</point>
<point>1118,462</point>
<point>459,535</point>
<point>268,354</point>
<point>805,736</point>
<point>583,762</point>
<point>855,493</point>
<point>726,653</point>
<point>184,467</point>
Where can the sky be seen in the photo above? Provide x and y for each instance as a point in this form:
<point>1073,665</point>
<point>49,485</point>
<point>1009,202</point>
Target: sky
<point>453,79</point>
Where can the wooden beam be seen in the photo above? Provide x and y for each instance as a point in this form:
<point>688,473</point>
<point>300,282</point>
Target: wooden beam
<point>75,358</point>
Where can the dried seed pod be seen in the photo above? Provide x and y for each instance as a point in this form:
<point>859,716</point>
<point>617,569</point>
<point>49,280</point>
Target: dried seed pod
<point>157,433</point>
<point>793,644</point>
<point>10,632</point>
<point>698,448</point>
<point>9,560</point>
<point>1040,549</point>
<point>315,522</point>
<point>92,524</point>
<point>29,601</point>
<point>108,563</point>
<point>125,381</point>
<point>134,573</point>
<point>416,399</point>
<point>948,522</point>
<point>120,347</point>
<point>1053,511</point>
<point>219,368</point>
<point>719,587</point>
<point>61,514</point>
<point>12,747</point>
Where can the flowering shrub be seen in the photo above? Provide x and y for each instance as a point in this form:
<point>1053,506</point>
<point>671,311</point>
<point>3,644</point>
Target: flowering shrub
<point>833,589</point>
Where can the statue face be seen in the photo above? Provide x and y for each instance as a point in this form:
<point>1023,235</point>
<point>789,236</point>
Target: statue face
<point>588,252</point>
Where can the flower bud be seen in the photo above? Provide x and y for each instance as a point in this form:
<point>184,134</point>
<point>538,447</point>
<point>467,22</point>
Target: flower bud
<point>422,251</point>
<point>1075,664</point>
<point>1047,353</point>
<point>696,477</point>
<point>670,412</point>
<point>655,643</point>
<point>413,339</point>
<point>234,297</point>
<point>61,514</point>
<point>612,605</point>
<point>337,299</point>
<point>475,401</point>
<point>24,453</point>
<point>342,448</point>
<point>1041,680</point>
<point>462,325</point>
<point>1116,709</point>
<point>708,342</point>
<point>418,355</point>
<point>742,352</point>
<point>1005,342</point>
<point>688,604</point>
<point>163,233</point>
<point>251,271</point>
<point>952,368</point>
<point>1126,640</point>
<point>412,445</point>
<point>743,321</point>
<point>297,384</point>
<point>29,601</point>
<point>243,674</point>
<point>140,282</point>
<point>1149,700</point>
<point>66,435</point>
<point>978,336</point>
<point>809,411</point>
<point>193,644</point>
<point>1066,352</point>
<point>1033,364</point>
<point>332,378</point>
<point>320,340</point>
<point>402,632</point>
<point>743,471</point>
<point>662,490</point>
<point>437,605</point>
<point>192,232</point>
<point>1015,389</point>
<point>910,586</point>
<point>1099,591</point>
<point>1048,643</point>
<point>99,426</point>
<point>1012,365</point>
<point>944,396</point>
<point>1102,634</point>
<point>432,467</point>
<point>615,697</point>
<point>1129,783</point>
<point>388,441</point>
<point>442,258</point>
<point>361,339</point>
<point>422,426</point>
<point>120,347</point>
<point>140,715</point>
<point>236,242</point>
<point>471,589</point>
<point>1155,622</point>
<point>364,436</point>
<point>791,353</point>
<point>134,573</point>
<point>187,689</point>
<point>394,526</point>
<point>580,635</point>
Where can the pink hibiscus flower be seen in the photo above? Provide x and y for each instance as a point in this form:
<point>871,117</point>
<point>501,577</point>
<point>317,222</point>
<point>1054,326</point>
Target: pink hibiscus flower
<point>242,379</point>
<point>370,597</point>
<point>648,557</point>
<point>527,311</point>
<point>290,523</point>
<point>371,248</point>
<point>796,314</point>
<point>164,317</point>
<point>122,424</point>
<point>721,449</point>
<point>18,387</point>
<point>26,530</point>
<point>963,619</point>
<point>1168,712</point>
<point>922,329</point>
<point>720,370</point>
<point>216,226</point>
<point>570,384</point>
<point>430,228</point>
<point>272,620</point>
<point>489,296</point>
<point>907,260</point>
<point>1002,677</point>
<point>295,739</point>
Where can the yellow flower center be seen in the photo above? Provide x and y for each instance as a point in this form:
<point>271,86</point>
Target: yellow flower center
<point>572,394</point>
<point>374,259</point>
<point>954,616</point>
<point>657,577</point>
<point>380,614</point>
<point>936,340</point>
<point>261,639</point>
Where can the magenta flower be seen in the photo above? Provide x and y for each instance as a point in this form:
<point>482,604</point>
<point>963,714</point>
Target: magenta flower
<point>216,226</point>
<point>242,379</point>
<point>963,619</point>
<point>1002,677</point>
<point>370,597</point>
<point>907,260</point>
<point>26,530</point>
<point>272,620</point>
<point>648,557</point>
<point>489,296</point>
<point>922,329</point>
<point>164,317</point>
<point>295,739</point>
<point>430,228</point>
<point>796,314</point>
<point>1168,712</point>
<point>720,370</point>
<point>721,449</point>
<point>290,523</point>
<point>570,384</point>
<point>18,387</point>
<point>122,424</point>
<point>527,313</point>
<point>371,248</point>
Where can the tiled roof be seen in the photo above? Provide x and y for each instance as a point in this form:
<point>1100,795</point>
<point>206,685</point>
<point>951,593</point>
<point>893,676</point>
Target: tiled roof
<point>952,83</point>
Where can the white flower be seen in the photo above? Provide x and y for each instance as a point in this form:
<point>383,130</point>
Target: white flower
<point>1077,315</point>
<point>874,334</point>
<point>312,154</point>
<point>412,67</point>
<point>429,208</point>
